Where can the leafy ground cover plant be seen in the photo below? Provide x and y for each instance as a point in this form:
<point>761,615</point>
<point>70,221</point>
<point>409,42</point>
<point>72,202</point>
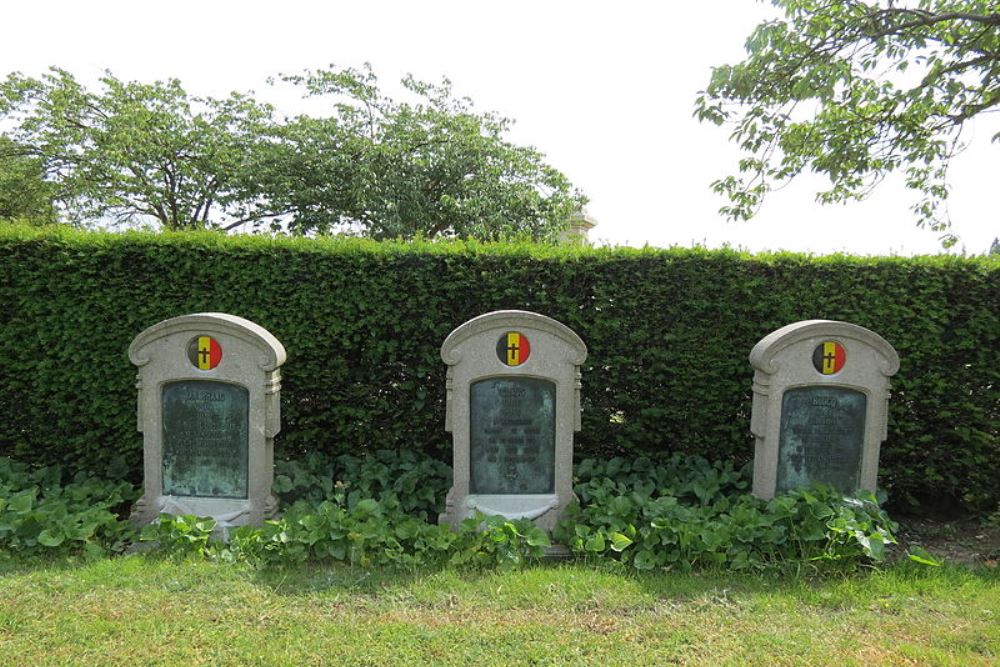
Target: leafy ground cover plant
<point>42,512</point>
<point>180,534</point>
<point>496,540</point>
<point>686,512</point>
<point>369,534</point>
<point>413,481</point>
<point>377,511</point>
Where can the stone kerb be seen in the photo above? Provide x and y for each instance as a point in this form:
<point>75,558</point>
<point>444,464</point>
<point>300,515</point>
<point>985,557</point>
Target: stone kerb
<point>208,389</point>
<point>519,461</point>
<point>820,401</point>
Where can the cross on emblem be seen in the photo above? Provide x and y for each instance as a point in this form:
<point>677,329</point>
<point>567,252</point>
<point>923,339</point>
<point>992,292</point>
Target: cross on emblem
<point>513,348</point>
<point>828,357</point>
<point>204,352</point>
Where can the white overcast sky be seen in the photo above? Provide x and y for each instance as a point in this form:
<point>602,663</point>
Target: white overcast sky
<point>604,89</point>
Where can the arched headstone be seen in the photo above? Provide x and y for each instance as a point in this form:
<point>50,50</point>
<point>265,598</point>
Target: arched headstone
<point>208,408</point>
<point>820,405</point>
<point>513,403</point>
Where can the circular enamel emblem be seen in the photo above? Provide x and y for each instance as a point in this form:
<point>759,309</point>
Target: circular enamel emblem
<point>829,357</point>
<point>513,348</point>
<point>204,352</point>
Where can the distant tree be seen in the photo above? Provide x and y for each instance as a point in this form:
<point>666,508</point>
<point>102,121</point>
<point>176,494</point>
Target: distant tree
<point>373,166</point>
<point>25,195</point>
<point>855,90</point>
<point>135,150</point>
<point>431,168</point>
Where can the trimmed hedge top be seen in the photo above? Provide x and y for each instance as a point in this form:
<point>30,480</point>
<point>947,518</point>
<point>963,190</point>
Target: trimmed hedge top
<point>668,332</point>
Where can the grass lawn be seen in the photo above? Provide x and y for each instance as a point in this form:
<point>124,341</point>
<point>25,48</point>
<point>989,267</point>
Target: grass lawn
<point>146,610</point>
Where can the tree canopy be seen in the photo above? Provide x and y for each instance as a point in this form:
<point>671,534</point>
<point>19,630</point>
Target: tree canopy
<point>24,192</point>
<point>854,90</point>
<point>430,166</point>
<point>392,169</point>
<point>135,150</point>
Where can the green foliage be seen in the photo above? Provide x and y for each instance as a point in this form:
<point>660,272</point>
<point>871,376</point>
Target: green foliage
<point>413,480</point>
<point>136,151</point>
<point>668,334</point>
<point>370,533</point>
<point>690,479</point>
<point>686,513</point>
<point>855,90</point>
<point>139,152</point>
<point>180,534</point>
<point>430,167</point>
<point>676,513</point>
<point>369,511</point>
<point>920,555</point>
<point>495,540</point>
<point>374,511</point>
<point>25,195</point>
<point>41,512</point>
<point>378,534</point>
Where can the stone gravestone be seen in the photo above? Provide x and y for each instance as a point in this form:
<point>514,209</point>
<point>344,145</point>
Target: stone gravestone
<point>208,409</point>
<point>513,403</point>
<point>820,405</point>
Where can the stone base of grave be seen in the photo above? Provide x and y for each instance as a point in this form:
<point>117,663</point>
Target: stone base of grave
<point>140,515</point>
<point>228,513</point>
<point>544,509</point>
<point>557,552</point>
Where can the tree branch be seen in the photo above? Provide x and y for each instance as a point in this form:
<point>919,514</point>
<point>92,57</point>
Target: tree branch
<point>973,109</point>
<point>958,67</point>
<point>929,18</point>
<point>254,218</point>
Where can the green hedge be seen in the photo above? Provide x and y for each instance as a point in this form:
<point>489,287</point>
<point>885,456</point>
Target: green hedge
<point>668,331</point>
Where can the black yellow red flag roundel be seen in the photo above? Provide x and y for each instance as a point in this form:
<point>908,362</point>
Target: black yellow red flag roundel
<point>829,357</point>
<point>204,352</point>
<point>513,348</point>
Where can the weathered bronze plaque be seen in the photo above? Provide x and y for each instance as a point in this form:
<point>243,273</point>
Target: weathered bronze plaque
<point>205,435</point>
<point>822,437</point>
<point>513,440</point>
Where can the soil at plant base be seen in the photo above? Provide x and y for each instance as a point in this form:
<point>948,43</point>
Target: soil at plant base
<point>967,541</point>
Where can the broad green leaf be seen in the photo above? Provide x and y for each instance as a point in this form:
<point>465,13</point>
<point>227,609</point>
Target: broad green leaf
<point>51,537</point>
<point>920,555</point>
<point>619,542</point>
<point>538,538</point>
<point>22,502</point>
<point>596,543</point>
<point>644,560</point>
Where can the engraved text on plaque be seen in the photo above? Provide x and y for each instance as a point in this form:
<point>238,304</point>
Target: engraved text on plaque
<point>205,435</point>
<point>822,434</point>
<point>513,428</point>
